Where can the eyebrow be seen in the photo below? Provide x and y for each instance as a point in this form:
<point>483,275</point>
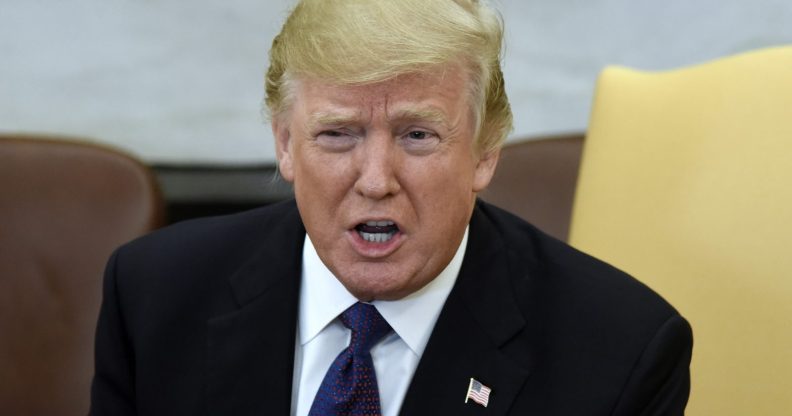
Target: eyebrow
<point>322,118</point>
<point>428,114</point>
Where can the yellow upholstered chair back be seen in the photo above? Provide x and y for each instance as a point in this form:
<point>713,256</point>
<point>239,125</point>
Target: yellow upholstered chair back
<point>686,183</point>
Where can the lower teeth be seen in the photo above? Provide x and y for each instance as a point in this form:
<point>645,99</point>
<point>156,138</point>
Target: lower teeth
<point>376,237</point>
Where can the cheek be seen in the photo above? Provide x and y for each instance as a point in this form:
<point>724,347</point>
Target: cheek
<point>441,177</point>
<point>310,166</point>
<point>442,193</point>
<point>321,178</point>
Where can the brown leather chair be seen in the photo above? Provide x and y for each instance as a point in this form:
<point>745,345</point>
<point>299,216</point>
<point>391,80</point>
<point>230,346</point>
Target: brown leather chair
<point>536,180</point>
<point>64,206</point>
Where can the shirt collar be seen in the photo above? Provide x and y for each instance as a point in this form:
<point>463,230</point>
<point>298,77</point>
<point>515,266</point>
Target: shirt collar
<point>323,298</point>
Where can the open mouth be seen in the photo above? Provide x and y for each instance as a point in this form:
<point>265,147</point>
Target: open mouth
<point>377,231</point>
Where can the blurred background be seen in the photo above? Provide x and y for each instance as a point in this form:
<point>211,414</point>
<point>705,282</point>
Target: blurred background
<point>179,84</point>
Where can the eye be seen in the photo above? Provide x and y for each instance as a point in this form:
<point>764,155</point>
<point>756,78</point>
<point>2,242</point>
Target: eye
<point>420,135</point>
<point>335,140</point>
<point>417,135</point>
<point>420,141</point>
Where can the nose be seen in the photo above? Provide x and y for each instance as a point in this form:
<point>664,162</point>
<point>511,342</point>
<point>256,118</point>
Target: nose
<point>378,168</point>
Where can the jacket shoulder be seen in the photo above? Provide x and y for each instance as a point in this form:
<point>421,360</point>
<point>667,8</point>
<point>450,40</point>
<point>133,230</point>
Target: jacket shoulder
<point>590,327</point>
<point>546,264</point>
<point>219,231</point>
<point>199,255</point>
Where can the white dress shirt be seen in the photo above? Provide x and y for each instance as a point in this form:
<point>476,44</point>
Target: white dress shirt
<point>321,336</point>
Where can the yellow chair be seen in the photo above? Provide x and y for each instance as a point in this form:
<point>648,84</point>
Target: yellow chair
<point>686,183</point>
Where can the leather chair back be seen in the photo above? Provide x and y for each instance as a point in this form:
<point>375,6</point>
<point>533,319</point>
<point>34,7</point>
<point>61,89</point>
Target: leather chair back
<point>536,178</point>
<point>64,206</point>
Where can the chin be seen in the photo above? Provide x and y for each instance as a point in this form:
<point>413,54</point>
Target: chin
<point>366,289</point>
<point>367,293</point>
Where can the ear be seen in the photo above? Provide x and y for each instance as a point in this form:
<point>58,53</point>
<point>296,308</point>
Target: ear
<point>485,168</point>
<point>283,148</point>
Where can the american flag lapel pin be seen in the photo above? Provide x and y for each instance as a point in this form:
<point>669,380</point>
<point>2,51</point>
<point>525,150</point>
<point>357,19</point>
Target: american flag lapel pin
<point>478,392</point>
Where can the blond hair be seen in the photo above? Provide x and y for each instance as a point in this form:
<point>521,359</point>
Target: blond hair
<point>367,41</point>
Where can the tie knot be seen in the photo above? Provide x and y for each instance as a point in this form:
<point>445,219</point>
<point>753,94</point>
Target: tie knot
<point>367,325</point>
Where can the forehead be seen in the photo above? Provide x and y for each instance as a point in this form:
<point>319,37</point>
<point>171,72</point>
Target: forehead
<point>429,93</point>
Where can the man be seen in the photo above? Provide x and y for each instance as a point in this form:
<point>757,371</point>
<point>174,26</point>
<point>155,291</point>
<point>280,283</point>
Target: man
<point>385,287</point>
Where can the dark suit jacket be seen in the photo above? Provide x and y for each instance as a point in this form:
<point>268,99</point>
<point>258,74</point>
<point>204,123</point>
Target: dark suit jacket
<point>200,319</point>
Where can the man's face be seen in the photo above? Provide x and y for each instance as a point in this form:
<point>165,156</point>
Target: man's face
<point>385,176</point>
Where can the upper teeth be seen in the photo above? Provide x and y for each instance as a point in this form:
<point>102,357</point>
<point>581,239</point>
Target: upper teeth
<point>379,223</point>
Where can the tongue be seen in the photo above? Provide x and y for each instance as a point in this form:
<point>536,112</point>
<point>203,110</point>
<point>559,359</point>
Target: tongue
<point>376,229</point>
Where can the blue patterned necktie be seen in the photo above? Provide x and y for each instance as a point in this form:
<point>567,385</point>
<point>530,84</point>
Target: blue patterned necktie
<point>350,385</point>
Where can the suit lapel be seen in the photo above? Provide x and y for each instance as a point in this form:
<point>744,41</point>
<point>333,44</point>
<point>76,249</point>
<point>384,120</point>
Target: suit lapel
<point>250,350</point>
<point>471,336</point>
